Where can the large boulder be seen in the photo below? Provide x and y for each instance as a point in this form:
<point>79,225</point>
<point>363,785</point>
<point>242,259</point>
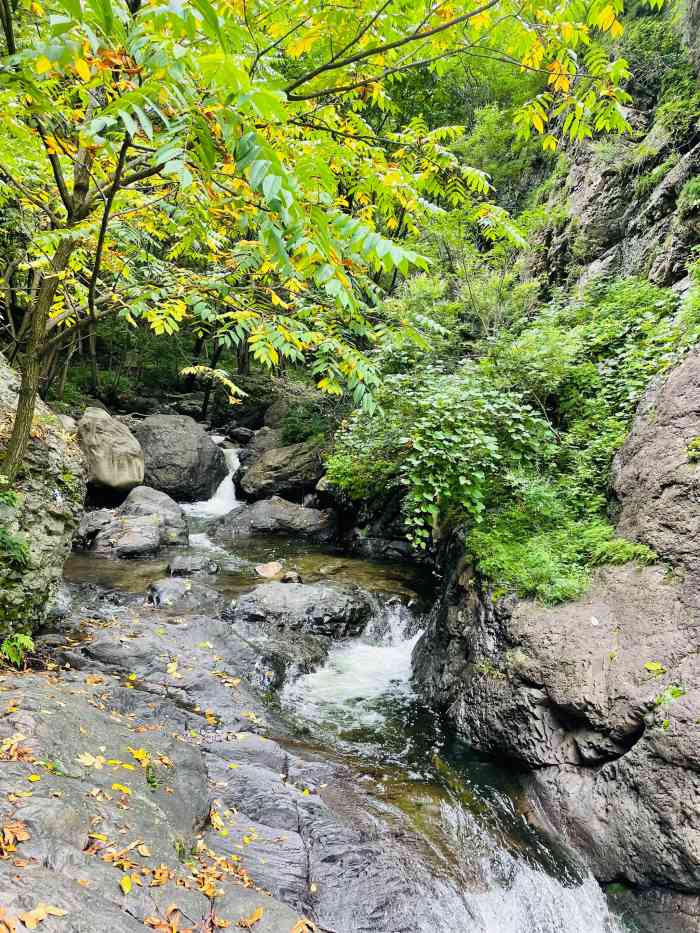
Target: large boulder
<point>288,471</point>
<point>181,459</point>
<point>656,474</point>
<point>318,609</point>
<point>598,701</point>
<point>264,439</point>
<point>113,455</point>
<point>146,521</point>
<point>273,516</point>
<point>37,523</point>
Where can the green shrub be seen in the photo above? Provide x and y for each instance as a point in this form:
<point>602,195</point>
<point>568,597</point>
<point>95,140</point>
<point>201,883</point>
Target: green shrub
<point>15,647</point>
<point>304,421</point>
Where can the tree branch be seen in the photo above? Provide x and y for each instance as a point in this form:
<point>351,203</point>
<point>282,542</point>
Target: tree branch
<point>57,171</point>
<point>416,36</point>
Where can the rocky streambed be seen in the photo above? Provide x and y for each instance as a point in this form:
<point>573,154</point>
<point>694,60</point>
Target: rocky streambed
<point>212,749</point>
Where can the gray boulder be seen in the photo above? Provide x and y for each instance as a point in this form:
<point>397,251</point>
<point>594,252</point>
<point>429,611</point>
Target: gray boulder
<point>181,459</point>
<point>177,594</point>
<point>275,414</point>
<point>113,455</point>
<point>656,474</point>
<point>240,435</point>
<point>283,471</point>
<point>597,700</point>
<point>146,521</point>
<point>318,609</point>
<point>273,516</point>
<point>51,492</point>
<point>264,439</point>
<point>186,565</point>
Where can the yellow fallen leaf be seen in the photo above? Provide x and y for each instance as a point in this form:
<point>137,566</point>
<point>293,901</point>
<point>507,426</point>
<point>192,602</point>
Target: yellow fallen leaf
<point>32,918</point>
<point>125,884</point>
<point>122,788</point>
<point>247,922</point>
<point>34,778</point>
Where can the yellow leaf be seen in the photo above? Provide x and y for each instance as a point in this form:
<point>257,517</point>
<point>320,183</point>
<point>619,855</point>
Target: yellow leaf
<point>247,922</point>
<point>83,69</point>
<point>549,143</point>
<point>34,778</point>
<point>122,788</point>
<point>125,884</point>
<point>42,65</point>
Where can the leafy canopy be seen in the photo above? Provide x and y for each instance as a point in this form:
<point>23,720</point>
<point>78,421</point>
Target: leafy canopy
<point>240,166</point>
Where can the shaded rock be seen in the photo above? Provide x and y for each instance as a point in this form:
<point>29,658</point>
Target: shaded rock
<point>51,492</point>
<point>240,435</point>
<point>283,471</point>
<point>61,605</point>
<point>656,474</point>
<point>69,425</point>
<point>291,576</point>
<point>566,694</point>
<point>181,459</point>
<point>185,565</point>
<point>333,611</point>
<point>275,414</point>
<point>273,516</point>
<point>113,455</point>
<point>146,521</point>
<point>177,594</point>
<point>262,440</point>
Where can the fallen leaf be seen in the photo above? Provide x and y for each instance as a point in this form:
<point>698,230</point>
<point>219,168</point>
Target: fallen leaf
<point>269,570</point>
<point>12,832</point>
<point>143,850</point>
<point>34,778</point>
<point>125,883</point>
<point>248,922</point>
<point>32,918</point>
<point>122,788</point>
<point>304,925</point>
<point>8,924</point>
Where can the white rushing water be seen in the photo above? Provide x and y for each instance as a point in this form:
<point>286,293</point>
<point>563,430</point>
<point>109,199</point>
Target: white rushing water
<point>486,888</point>
<point>223,500</point>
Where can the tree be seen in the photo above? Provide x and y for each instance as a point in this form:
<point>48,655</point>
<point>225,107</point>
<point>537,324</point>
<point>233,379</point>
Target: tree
<point>235,160</point>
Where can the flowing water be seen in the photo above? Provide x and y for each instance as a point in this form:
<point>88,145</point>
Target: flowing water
<point>486,869</point>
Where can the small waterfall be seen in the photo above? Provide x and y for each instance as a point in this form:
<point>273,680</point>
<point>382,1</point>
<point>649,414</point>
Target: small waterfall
<point>223,500</point>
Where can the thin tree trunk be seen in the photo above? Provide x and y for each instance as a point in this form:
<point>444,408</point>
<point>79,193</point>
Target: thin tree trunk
<point>216,355</point>
<point>243,354</point>
<point>33,361</point>
<point>61,388</point>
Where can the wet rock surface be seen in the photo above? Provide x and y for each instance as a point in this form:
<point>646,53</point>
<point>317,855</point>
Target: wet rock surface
<point>181,459</point>
<point>274,516</point>
<point>334,611</point>
<point>145,522</point>
<point>147,755</point>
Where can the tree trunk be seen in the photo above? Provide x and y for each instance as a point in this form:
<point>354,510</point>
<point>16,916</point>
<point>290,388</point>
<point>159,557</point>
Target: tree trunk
<point>33,362</point>
<point>243,354</point>
<point>207,391</point>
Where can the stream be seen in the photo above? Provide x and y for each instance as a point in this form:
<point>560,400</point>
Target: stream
<point>485,869</point>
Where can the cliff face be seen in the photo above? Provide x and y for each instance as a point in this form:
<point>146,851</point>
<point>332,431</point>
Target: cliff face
<point>42,516</point>
<point>631,206</point>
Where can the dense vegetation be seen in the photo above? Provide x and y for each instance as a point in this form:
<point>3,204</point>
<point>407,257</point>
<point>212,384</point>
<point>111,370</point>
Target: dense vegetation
<point>345,206</point>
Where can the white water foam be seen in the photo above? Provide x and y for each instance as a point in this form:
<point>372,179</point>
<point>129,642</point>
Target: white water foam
<point>223,500</point>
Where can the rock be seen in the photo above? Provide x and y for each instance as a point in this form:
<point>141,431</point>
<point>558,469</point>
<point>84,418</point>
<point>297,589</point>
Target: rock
<point>61,605</point>
<point>181,459</point>
<point>269,570</point>
<point>146,521</point>
<point>240,435</point>
<point>568,694</point>
<point>69,425</point>
<point>262,440</point>
<point>185,565</point>
<point>177,594</point>
<point>51,492</point>
<point>656,476</point>
<point>318,609</point>
<point>275,414</point>
<point>291,576</point>
<point>273,516</point>
<point>283,471</point>
<point>113,455</point>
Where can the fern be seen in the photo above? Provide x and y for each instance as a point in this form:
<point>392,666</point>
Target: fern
<point>15,647</point>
